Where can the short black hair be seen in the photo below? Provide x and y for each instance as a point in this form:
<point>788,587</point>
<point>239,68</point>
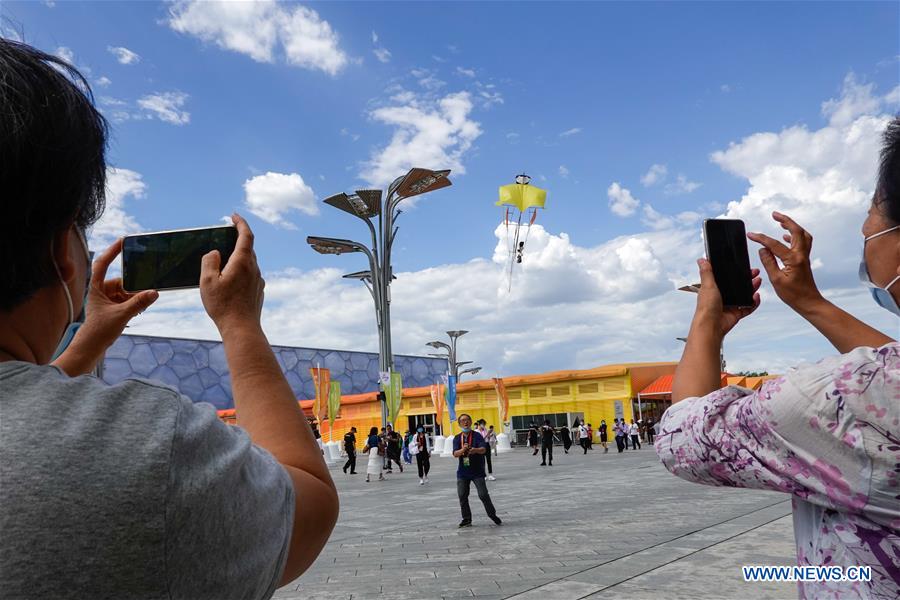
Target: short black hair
<point>887,192</point>
<point>52,163</point>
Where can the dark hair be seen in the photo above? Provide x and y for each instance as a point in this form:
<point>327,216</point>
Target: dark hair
<point>463,415</point>
<point>52,163</point>
<point>373,431</point>
<point>887,191</point>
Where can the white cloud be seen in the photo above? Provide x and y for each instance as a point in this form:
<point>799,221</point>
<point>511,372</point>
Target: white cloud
<point>346,133</point>
<point>272,195</point>
<point>512,136</point>
<point>430,134</point>
<point>725,88</point>
<point>569,295</point>
<point>257,29</point>
<point>121,184</point>
<point>681,185</point>
<point>568,132</point>
<point>465,72</point>
<point>103,81</point>
<point>66,54</point>
<point>488,98</point>
<point>563,171</point>
<point>856,99</point>
<point>124,55</point>
<point>656,220</point>
<point>166,106</point>
<point>654,175</point>
<point>621,202</point>
<point>823,178</point>
<point>382,54</point>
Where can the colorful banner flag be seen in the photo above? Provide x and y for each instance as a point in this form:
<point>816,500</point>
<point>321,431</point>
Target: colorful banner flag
<point>437,399</point>
<point>334,401</point>
<point>394,397</point>
<point>502,399</point>
<point>451,396</point>
<point>322,381</point>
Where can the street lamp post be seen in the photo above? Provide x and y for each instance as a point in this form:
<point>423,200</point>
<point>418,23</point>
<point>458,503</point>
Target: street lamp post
<point>453,365</point>
<point>365,205</point>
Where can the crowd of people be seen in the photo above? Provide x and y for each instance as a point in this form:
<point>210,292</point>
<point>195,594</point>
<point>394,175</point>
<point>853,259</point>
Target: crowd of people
<point>134,490</point>
<point>627,435</point>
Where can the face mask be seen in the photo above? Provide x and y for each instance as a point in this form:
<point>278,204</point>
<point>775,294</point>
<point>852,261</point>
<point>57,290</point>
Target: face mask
<point>420,430</point>
<point>71,326</point>
<point>466,429</point>
<point>881,295</point>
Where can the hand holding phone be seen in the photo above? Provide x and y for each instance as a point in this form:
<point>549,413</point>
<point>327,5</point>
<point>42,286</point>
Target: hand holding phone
<point>726,250</point>
<point>233,295</point>
<point>170,260</point>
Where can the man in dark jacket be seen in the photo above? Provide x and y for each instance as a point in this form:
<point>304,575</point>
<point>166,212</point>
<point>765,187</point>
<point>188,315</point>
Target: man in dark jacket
<point>350,449</point>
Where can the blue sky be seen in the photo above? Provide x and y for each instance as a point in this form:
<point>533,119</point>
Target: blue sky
<point>582,96</point>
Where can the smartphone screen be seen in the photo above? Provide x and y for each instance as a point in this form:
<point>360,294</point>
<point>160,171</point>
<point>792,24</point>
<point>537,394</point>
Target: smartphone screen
<point>726,249</point>
<point>170,260</point>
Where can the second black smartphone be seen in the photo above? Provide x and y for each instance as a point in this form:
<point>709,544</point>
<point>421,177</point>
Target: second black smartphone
<point>170,260</point>
<point>726,249</point>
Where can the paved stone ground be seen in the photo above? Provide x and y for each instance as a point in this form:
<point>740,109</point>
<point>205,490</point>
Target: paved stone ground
<point>595,526</point>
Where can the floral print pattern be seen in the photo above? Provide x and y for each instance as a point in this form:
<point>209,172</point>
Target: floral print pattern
<point>829,435</point>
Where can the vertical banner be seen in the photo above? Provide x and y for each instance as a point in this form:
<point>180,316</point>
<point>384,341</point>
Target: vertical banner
<point>451,396</point>
<point>322,381</point>
<point>394,393</point>
<point>334,402</point>
<point>502,399</point>
<point>437,399</point>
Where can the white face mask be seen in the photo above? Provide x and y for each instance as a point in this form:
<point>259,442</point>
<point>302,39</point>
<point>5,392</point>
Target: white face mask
<point>881,295</point>
<point>71,327</point>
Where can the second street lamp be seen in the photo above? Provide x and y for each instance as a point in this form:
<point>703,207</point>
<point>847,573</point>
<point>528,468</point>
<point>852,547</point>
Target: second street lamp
<point>366,205</point>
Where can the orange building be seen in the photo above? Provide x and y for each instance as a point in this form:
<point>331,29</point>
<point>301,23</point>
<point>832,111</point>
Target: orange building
<point>601,393</point>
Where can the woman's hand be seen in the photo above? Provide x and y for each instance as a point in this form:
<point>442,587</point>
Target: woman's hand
<point>711,313</point>
<point>793,282</point>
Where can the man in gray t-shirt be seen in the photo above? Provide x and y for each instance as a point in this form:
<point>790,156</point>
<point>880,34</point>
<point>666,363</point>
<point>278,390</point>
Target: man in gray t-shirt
<point>131,490</point>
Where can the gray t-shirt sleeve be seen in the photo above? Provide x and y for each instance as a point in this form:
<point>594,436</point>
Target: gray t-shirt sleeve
<point>229,512</point>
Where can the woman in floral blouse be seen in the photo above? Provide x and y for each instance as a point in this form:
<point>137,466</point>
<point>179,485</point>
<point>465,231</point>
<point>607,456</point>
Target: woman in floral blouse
<point>827,434</point>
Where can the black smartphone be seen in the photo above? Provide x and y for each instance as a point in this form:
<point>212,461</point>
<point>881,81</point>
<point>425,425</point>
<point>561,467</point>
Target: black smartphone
<point>170,260</point>
<point>726,249</point>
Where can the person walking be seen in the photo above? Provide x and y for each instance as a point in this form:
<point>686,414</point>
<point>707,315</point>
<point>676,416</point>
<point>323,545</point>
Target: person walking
<point>482,429</point>
<point>533,438</point>
<point>634,431</point>
<point>583,436</point>
<point>624,427</point>
<point>421,449</point>
<point>547,432</point>
<point>590,437</point>
<point>350,449</point>
<point>375,449</point>
<point>604,436</point>
<point>469,447</point>
<point>492,440</point>
<point>407,455</point>
<point>617,431</point>
<point>566,436</point>
<point>650,431</point>
<point>392,451</point>
<point>576,432</point>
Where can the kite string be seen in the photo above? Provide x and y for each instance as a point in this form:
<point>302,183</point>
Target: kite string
<point>512,260</point>
<point>530,223</point>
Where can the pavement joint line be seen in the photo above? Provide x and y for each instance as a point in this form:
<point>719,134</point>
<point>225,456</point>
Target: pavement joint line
<point>661,544</point>
<point>686,555</point>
